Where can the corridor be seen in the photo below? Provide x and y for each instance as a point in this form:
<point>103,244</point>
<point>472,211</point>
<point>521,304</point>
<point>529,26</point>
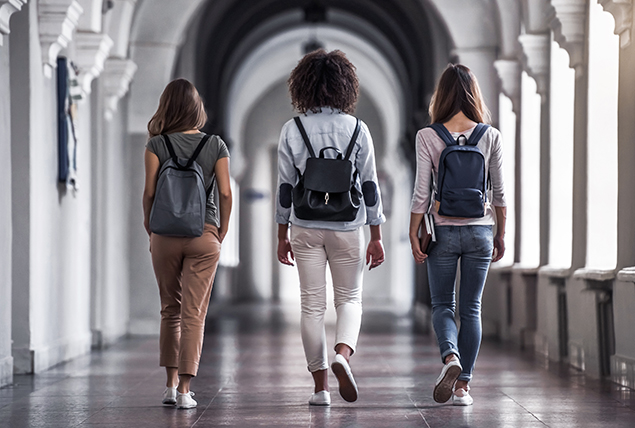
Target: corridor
<point>253,374</point>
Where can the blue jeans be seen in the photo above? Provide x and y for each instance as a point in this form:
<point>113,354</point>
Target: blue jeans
<point>473,246</point>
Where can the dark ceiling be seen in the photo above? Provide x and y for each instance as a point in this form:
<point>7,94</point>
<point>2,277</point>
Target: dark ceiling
<point>227,27</point>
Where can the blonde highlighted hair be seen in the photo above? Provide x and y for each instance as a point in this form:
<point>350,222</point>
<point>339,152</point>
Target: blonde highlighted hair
<point>180,109</point>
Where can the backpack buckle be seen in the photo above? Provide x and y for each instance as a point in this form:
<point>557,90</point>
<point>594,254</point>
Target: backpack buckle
<point>326,198</point>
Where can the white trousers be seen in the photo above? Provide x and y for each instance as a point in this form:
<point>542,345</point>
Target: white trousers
<point>344,252</point>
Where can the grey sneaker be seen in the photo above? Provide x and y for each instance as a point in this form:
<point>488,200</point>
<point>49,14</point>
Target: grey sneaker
<point>169,396</point>
<point>185,401</point>
<point>461,397</point>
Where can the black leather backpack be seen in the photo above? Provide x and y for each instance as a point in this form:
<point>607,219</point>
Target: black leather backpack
<point>326,191</point>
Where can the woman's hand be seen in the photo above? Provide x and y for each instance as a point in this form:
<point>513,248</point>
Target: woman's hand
<point>146,225</point>
<point>221,234</point>
<point>415,224</point>
<point>375,253</point>
<point>499,248</point>
<point>418,255</point>
<point>285,253</point>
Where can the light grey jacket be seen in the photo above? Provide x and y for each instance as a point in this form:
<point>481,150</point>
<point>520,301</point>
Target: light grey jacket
<point>330,127</point>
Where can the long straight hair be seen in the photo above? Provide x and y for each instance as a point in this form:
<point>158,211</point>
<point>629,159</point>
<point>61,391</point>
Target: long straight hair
<point>180,109</point>
<point>458,91</point>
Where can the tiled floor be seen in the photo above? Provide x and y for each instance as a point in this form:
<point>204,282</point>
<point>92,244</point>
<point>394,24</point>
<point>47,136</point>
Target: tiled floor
<point>253,374</point>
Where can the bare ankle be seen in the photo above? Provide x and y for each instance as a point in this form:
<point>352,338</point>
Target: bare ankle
<point>461,384</point>
<point>450,357</point>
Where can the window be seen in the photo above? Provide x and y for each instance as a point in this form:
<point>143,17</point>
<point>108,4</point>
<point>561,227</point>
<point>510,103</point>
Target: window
<point>530,173</point>
<point>561,164</point>
<point>507,123</point>
<point>602,140</point>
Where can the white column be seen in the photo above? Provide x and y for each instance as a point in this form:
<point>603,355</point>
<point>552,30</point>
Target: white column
<point>92,51</point>
<point>8,8</point>
<point>57,22</point>
<point>622,11</point>
<point>117,75</point>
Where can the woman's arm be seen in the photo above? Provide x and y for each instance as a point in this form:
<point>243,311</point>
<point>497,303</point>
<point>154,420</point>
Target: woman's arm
<point>221,169</point>
<point>285,254</point>
<point>152,166</point>
<point>375,250</point>
<point>499,237</point>
<point>415,243</point>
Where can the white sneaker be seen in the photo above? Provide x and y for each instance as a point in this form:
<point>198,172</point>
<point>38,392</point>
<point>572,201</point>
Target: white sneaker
<point>344,375</point>
<point>461,397</point>
<point>321,398</point>
<point>169,396</point>
<point>445,381</point>
<point>185,401</point>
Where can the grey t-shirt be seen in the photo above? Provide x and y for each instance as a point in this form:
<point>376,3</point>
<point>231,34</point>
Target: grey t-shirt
<point>184,146</point>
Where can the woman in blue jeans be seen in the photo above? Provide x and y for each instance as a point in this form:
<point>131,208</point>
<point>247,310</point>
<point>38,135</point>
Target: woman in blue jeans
<point>473,242</point>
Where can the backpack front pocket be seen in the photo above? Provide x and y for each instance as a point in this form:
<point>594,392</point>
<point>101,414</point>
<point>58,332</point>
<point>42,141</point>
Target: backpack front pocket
<point>466,202</point>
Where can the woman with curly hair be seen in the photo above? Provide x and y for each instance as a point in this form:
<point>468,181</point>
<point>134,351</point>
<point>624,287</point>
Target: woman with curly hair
<point>324,89</point>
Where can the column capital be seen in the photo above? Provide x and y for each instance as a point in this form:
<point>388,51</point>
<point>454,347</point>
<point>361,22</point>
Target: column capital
<point>509,74</point>
<point>568,21</point>
<point>91,53</point>
<point>8,8</point>
<point>622,11</point>
<point>117,75</point>
<point>58,20</point>
<point>536,59</point>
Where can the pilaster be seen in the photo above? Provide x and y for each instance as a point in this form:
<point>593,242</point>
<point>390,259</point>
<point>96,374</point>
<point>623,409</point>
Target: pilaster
<point>509,71</point>
<point>118,74</point>
<point>58,20</point>
<point>92,51</point>
<point>622,11</point>
<point>8,8</point>
<point>536,59</point>
<point>568,22</point>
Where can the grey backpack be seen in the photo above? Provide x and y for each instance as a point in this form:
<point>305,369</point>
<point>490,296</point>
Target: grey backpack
<point>180,199</point>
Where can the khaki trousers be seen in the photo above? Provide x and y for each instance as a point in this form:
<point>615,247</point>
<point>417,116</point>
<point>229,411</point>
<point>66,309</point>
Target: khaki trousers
<point>344,253</point>
<point>185,269</point>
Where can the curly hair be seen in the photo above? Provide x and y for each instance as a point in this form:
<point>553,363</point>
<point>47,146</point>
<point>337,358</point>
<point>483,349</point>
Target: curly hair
<point>180,109</point>
<point>324,79</point>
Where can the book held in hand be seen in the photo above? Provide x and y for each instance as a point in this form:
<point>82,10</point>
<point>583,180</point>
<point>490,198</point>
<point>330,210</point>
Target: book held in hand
<point>428,238</point>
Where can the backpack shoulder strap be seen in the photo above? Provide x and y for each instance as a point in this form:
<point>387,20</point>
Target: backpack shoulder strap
<point>305,137</point>
<point>198,150</point>
<point>168,144</point>
<point>349,150</point>
<point>443,133</point>
<point>478,132</point>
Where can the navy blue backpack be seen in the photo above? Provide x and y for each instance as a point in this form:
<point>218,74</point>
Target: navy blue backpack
<point>462,181</point>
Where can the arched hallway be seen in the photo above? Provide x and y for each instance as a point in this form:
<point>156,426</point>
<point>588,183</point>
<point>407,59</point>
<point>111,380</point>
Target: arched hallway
<point>76,282</point>
<point>253,374</point>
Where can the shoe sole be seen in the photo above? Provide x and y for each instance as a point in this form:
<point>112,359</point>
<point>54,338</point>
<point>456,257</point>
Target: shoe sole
<point>443,390</point>
<point>186,407</point>
<point>169,402</point>
<point>347,386</point>
<point>319,404</point>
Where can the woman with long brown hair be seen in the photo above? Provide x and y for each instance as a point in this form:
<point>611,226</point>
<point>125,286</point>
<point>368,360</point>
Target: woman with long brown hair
<point>185,266</point>
<point>457,111</point>
<point>324,89</point>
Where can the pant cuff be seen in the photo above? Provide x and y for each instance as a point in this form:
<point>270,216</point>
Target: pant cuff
<point>348,343</point>
<point>448,352</point>
<point>315,368</point>
<point>188,368</point>
<point>169,361</point>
